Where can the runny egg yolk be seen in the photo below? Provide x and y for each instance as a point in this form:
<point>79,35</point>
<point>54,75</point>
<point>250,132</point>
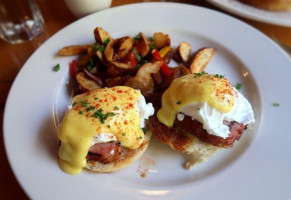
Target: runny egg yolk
<point>193,88</point>
<point>111,110</point>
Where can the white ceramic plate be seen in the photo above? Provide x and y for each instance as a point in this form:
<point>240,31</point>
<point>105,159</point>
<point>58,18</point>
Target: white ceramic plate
<point>258,167</point>
<point>250,12</point>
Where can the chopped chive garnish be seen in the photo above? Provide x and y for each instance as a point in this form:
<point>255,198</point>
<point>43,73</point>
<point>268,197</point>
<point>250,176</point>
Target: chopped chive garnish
<point>137,37</point>
<point>178,102</point>
<point>57,67</point>
<point>276,104</point>
<point>238,86</point>
<point>136,55</point>
<point>101,49</point>
<point>106,41</point>
<point>95,46</point>
<point>144,130</point>
<point>112,114</point>
<point>84,104</point>
<point>116,108</point>
<point>151,46</point>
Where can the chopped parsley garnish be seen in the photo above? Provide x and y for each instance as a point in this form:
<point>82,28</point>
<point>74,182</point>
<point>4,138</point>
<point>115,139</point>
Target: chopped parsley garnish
<point>221,76</point>
<point>80,112</point>
<point>137,37</point>
<point>137,66</point>
<point>144,130</point>
<point>208,76</point>
<point>217,76</point>
<point>74,103</point>
<point>198,108</point>
<point>123,134</point>
<point>136,55</point>
<point>57,67</point>
<point>151,39</point>
<point>106,41</point>
<point>140,137</point>
<point>84,103</point>
<point>96,98</point>
<point>178,102</point>
<point>238,86</point>
<point>276,104</point>
<point>116,108</point>
<point>108,126</point>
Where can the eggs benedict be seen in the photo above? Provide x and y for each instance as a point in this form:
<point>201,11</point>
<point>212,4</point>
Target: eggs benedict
<point>104,130</point>
<point>199,114</point>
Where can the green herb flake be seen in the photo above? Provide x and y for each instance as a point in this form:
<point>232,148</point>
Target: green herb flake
<point>144,130</point>
<point>74,103</point>
<point>238,86</point>
<point>137,37</point>
<point>84,103</point>
<point>89,67</point>
<point>106,41</point>
<point>151,46</point>
<point>217,76</point>
<point>116,108</point>
<point>101,48</point>
<point>57,67</point>
<point>198,108</point>
<point>208,76</point>
<point>108,126</point>
<point>276,104</point>
<point>95,47</point>
<point>136,55</point>
<point>178,102</point>
<point>112,114</point>
<point>221,76</point>
<point>140,137</point>
<point>123,134</point>
<point>80,112</point>
<point>137,66</point>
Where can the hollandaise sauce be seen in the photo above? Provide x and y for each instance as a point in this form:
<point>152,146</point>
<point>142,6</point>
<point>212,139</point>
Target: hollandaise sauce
<point>110,110</point>
<point>194,88</point>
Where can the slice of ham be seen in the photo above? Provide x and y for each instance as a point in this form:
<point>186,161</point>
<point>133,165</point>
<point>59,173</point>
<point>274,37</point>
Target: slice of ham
<point>104,152</point>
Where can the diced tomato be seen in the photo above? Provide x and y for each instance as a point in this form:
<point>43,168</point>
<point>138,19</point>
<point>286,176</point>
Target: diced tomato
<point>73,68</point>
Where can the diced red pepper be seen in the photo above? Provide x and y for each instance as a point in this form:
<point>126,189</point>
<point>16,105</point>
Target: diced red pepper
<point>156,54</point>
<point>130,58</point>
<point>165,68</point>
<point>73,68</point>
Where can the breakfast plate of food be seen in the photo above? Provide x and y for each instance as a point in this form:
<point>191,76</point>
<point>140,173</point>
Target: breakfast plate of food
<point>152,106</point>
<point>277,12</point>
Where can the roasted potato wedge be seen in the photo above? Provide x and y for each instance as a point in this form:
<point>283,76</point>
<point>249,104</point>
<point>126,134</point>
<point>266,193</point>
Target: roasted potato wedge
<point>86,83</point>
<point>143,79</point>
<point>125,46</point>
<point>200,59</point>
<point>101,36</point>
<point>161,40</point>
<point>73,50</point>
<point>183,52</point>
<point>142,45</point>
<point>109,51</point>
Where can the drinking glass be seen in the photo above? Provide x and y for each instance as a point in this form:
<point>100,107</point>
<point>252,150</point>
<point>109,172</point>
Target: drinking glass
<point>20,20</point>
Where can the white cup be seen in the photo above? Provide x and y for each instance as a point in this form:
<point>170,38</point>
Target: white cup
<point>81,8</point>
